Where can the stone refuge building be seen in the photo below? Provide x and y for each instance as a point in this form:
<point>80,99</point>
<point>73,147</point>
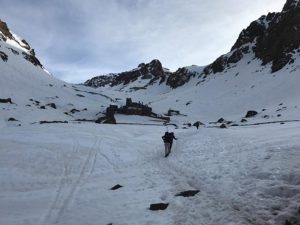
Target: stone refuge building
<point>131,108</point>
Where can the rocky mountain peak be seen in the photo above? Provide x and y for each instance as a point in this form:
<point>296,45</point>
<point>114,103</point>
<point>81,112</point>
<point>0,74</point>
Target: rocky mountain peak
<point>152,72</point>
<point>154,68</point>
<point>5,31</point>
<point>272,39</point>
<point>290,5</point>
<point>147,71</point>
<point>16,44</point>
<point>7,34</point>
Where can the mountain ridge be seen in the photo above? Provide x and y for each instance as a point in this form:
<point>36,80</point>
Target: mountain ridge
<point>272,38</point>
<point>152,72</point>
<point>18,46</point>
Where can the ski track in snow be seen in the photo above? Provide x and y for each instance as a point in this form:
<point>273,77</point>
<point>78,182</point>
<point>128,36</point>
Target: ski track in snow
<point>184,179</point>
<point>69,186</point>
<point>234,169</point>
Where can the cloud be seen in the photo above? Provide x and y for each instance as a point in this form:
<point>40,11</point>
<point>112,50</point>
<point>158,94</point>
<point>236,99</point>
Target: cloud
<point>76,40</point>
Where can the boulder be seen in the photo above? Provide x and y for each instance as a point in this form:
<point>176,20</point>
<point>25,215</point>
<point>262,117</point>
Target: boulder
<point>243,120</point>
<point>52,105</point>
<point>74,111</point>
<point>221,120</point>
<point>251,113</point>
<point>189,193</point>
<point>223,126</point>
<point>6,100</point>
<point>3,56</point>
<point>197,124</point>
<point>116,187</point>
<point>159,206</point>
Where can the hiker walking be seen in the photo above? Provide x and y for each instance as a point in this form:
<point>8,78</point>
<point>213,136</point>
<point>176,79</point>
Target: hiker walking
<point>168,140</point>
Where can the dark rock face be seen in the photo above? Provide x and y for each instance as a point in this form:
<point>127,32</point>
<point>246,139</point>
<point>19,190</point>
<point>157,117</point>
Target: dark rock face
<point>275,37</point>
<point>224,61</point>
<point>153,71</point>
<point>3,56</point>
<point>6,34</point>
<point>32,59</point>
<point>100,81</point>
<point>4,29</point>
<point>159,206</point>
<point>290,5</point>
<point>179,78</point>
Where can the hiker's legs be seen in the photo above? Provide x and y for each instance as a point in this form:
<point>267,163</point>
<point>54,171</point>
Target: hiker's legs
<point>167,149</point>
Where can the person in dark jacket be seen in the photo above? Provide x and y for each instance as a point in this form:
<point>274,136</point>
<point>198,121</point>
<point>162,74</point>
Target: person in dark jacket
<point>168,140</point>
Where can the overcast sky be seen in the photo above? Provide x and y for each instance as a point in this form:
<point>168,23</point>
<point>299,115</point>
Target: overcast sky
<point>76,40</point>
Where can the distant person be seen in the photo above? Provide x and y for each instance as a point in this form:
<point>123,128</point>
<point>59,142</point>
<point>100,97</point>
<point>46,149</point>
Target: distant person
<point>172,137</point>
<point>168,140</point>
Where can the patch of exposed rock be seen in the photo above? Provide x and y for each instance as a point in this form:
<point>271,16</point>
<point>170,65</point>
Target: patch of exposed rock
<point>272,38</point>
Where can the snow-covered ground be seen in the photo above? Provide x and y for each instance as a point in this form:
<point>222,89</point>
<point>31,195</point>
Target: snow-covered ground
<point>230,94</point>
<point>62,174</point>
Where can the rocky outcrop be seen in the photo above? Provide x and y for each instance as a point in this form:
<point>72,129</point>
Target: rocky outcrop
<point>179,78</point>
<point>28,52</point>
<point>272,38</point>
<point>290,5</point>
<point>153,71</point>
<point>158,206</point>
<point>224,61</point>
<point>5,31</point>
<point>101,81</point>
<point>251,113</point>
<point>3,56</point>
<point>32,59</point>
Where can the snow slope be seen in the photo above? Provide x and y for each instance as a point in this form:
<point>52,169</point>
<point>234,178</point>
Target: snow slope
<point>230,94</point>
<point>62,174</point>
<point>31,89</point>
<point>259,73</point>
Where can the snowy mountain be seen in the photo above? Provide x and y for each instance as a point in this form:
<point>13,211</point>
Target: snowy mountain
<point>80,172</point>
<point>274,39</point>
<point>147,74</point>
<point>260,73</point>
<point>35,94</point>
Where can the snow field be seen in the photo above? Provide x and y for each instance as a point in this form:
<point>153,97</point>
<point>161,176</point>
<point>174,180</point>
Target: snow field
<point>61,174</point>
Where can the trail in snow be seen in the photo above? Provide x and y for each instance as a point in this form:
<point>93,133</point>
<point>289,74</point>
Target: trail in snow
<point>245,175</point>
<point>68,186</point>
